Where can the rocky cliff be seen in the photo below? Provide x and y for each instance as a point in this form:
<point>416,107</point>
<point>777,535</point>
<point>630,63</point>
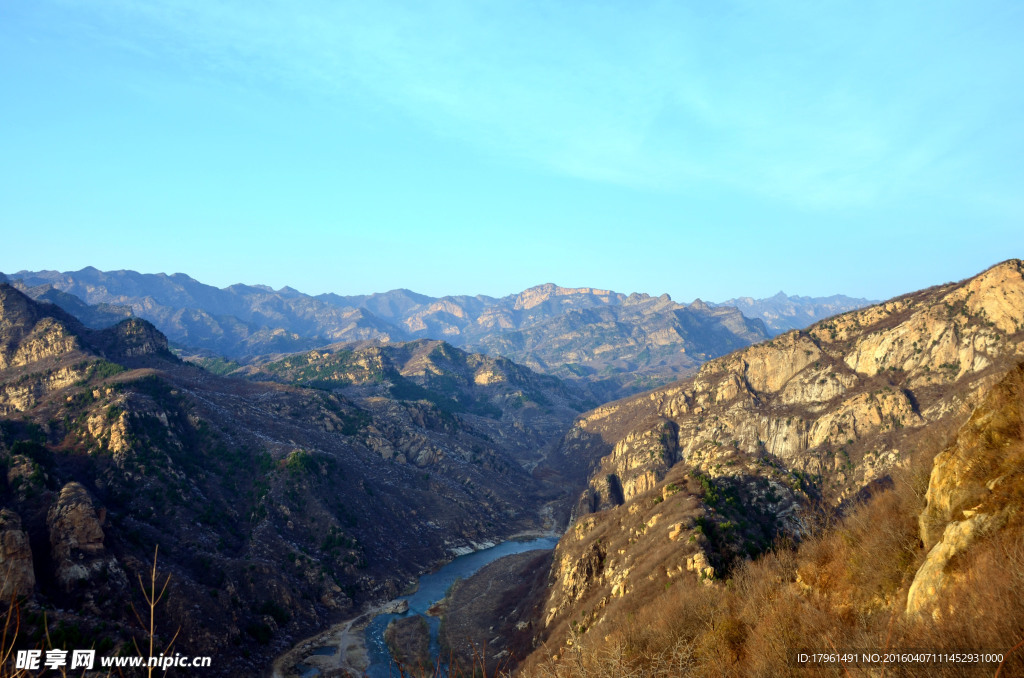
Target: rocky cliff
<point>975,492</point>
<point>769,441</point>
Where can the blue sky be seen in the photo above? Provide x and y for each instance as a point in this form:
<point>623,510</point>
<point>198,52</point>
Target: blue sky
<point>710,149</point>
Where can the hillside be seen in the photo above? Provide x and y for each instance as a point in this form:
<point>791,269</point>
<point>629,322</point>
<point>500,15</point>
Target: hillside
<point>277,509</point>
<point>825,437</point>
<point>498,400</point>
<point>620,344</point>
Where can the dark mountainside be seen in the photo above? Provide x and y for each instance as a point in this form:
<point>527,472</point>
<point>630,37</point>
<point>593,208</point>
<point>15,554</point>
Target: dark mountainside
<point>618,344</point>
<point>278,509</point>
<point>851,439</point>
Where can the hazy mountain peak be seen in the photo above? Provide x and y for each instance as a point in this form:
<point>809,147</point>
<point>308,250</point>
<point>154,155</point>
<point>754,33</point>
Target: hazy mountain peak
<point>783,312</point>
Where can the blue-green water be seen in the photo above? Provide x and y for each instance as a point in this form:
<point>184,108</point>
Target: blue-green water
<point>432,589</point>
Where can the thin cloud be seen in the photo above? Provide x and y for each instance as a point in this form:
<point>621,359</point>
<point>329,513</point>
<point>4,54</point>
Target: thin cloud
<point>819,109</point>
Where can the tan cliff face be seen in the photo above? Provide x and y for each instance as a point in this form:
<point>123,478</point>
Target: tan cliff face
<point>810,418</point>
<point>974,491</point>
<point>44,350</point>
<point>536,296</point>
<point>28,335</point>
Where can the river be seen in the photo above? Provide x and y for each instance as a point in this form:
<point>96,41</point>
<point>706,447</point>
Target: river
<point>432,589</point>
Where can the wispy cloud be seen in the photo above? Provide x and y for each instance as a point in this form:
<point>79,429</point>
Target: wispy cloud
<point>820,109</point>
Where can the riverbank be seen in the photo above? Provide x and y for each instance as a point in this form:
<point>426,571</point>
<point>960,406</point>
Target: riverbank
<point>347,639</point>
<point>490,617</point>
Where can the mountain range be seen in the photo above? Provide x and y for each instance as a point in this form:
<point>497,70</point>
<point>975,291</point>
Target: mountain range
<point>856,482</point>
<point>616,344</point>
<point>782,313</point>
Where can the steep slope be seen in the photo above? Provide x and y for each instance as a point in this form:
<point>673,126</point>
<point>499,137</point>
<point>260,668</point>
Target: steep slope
<point>975,500</point>
<point>277,509</point>
<point>783,313</point>
<point>690,479</point>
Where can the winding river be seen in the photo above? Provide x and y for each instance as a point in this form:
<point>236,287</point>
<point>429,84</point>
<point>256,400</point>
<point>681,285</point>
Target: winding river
<point>432,589</point>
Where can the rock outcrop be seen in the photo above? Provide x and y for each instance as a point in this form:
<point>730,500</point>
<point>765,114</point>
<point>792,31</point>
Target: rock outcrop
<point>30,333</point>
<point>133,338</point>
<point>77,540</point>
<point>974,489</point>
<point>16,568</point>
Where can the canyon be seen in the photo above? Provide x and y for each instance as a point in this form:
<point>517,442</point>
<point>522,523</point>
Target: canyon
<point>293,490</point>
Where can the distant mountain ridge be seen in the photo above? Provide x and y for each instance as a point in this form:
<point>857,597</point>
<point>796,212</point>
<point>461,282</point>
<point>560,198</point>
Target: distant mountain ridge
<point>638,343</point>
<point>782,313</point>
<point>622,343</point>
<point>95,316</point>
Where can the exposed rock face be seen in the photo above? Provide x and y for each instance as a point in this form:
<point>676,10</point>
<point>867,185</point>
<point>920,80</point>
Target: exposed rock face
<point>808,418</point>
<point>47,350</point>
<point>975,486</point>
<point>535,296</point>
<point>76,539</point>
<point>28,334</point>
<point>929,583</point>
<point>26,392</point>
<point>19,577</point>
